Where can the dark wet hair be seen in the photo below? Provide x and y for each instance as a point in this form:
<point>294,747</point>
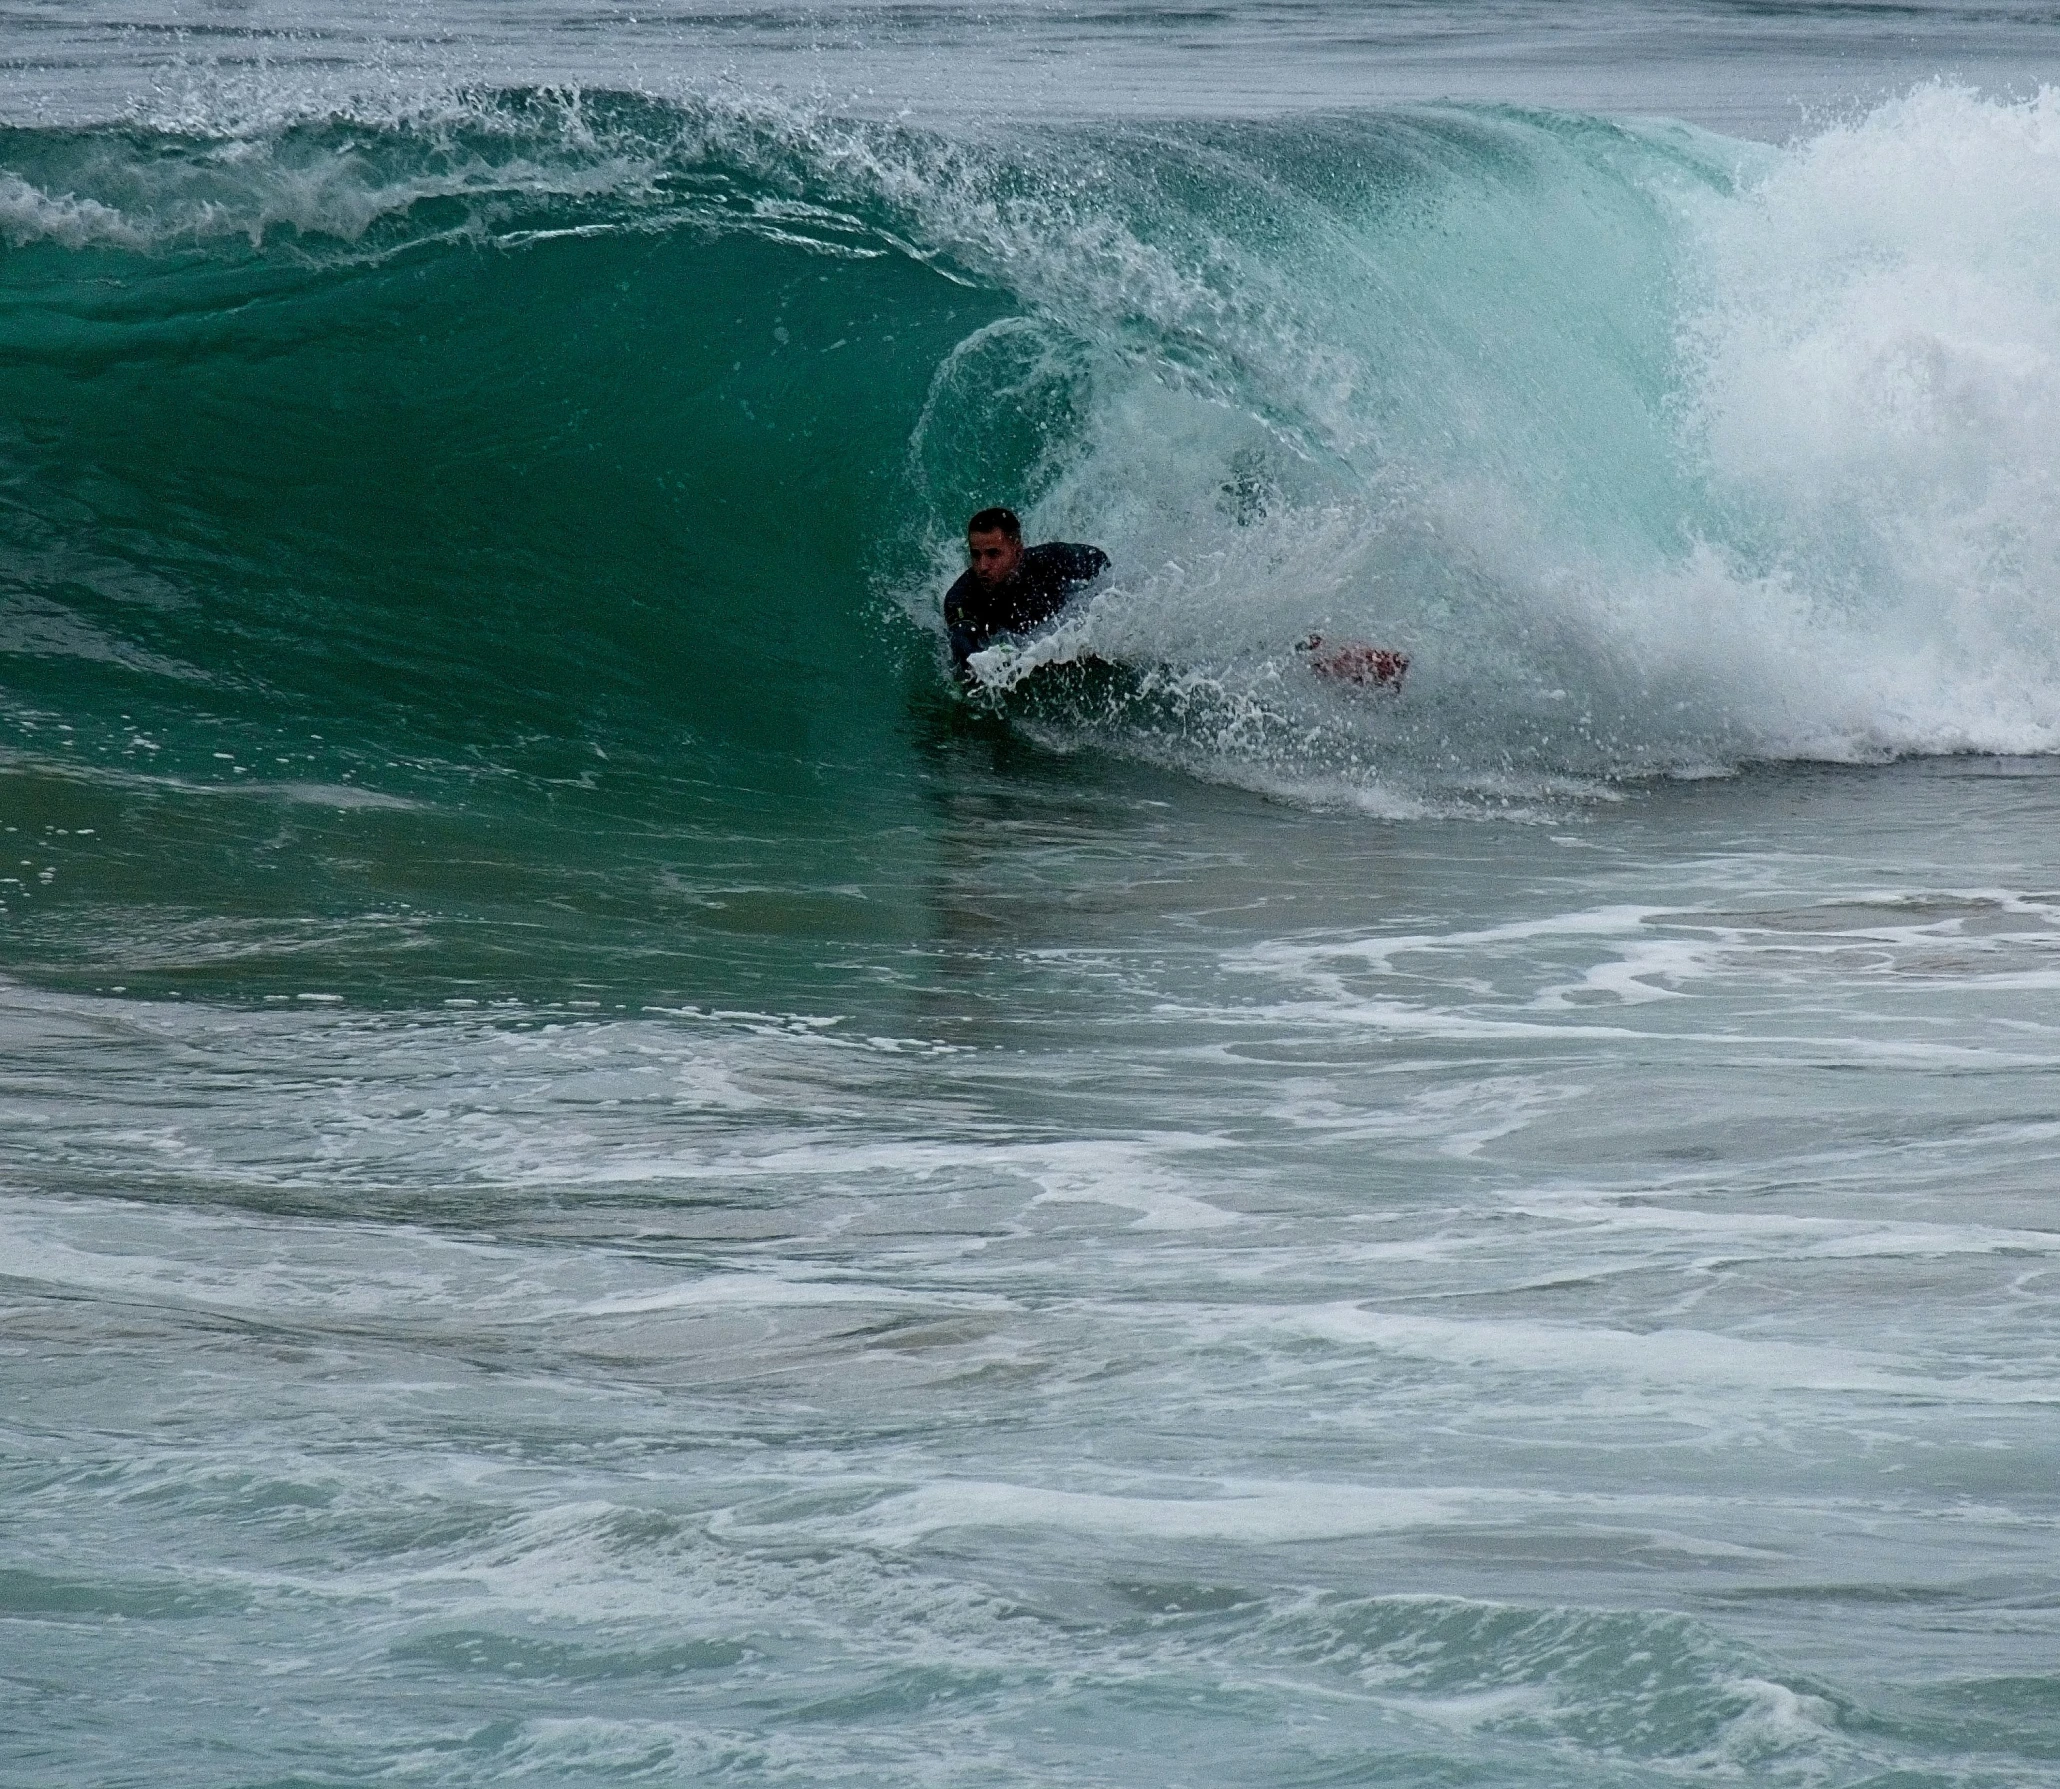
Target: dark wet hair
<point>996,521</point>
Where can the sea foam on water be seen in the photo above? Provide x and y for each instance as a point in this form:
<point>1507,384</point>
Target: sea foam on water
<point>601,1179</point>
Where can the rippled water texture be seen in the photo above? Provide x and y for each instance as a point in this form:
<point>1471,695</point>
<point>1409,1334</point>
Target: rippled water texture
<point>604,1180</point>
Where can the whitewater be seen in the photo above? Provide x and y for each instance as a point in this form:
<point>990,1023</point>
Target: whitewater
<point>604,1178</point>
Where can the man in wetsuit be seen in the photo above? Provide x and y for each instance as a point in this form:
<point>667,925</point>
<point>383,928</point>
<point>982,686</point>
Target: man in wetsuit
<point>1011,588</point>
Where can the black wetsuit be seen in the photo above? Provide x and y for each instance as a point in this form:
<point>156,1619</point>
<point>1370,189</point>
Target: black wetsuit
<point>1034,592</point>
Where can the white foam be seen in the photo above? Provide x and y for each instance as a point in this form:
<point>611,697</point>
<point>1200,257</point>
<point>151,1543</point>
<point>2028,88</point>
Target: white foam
<point>1245,1512</point>
<point>773,1291</point>
<point>1678,1359</point>
<point>1797,1236</point>
<point>1377,952</point>
<point>28,214</point>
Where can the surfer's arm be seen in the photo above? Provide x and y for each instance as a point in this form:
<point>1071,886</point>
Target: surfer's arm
<point>961,627</point>
<point>1052,575</point>
<point>1071,563</point>
<point>964,643</point>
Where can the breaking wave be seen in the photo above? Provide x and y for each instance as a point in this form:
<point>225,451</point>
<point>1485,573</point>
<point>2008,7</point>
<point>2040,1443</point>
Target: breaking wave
<point>649,425</point>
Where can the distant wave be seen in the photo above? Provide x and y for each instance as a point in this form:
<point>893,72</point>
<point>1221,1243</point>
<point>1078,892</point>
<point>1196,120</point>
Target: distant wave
<point>630,419</point>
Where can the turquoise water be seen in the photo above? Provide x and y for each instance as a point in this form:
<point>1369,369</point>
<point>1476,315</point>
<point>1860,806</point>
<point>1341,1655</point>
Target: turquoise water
<point>606,1181</point>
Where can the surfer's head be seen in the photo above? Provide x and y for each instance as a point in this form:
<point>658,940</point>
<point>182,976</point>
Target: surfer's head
<point>994,544</point>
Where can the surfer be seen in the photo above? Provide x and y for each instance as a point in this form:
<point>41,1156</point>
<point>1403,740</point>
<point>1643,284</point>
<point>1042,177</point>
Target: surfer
<point>1009,588</point>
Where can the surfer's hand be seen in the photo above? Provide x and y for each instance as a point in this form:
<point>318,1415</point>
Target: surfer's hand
<point>1355,661</point>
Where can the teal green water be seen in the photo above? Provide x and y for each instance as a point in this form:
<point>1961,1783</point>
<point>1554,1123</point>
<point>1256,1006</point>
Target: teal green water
<point>529,484</point>
<point>606,1180</point>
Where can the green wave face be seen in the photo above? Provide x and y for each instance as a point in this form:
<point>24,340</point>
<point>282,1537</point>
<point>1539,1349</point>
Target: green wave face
<point>569,455</point>
<point>506,461</point>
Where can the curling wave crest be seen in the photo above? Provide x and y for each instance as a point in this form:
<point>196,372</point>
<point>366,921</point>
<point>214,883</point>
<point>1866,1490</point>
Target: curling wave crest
<point>1657,452</point>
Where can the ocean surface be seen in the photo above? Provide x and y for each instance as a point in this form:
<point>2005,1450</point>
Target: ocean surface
<point>603,1180</point>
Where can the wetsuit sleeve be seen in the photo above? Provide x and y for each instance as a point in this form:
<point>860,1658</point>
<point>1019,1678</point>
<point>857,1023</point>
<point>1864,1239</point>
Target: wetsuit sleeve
<point>1051,574</point>
<point>960,622</point>
<point>1076,563</point>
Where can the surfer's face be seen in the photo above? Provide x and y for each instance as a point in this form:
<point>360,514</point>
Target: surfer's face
<point>993,555</point>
